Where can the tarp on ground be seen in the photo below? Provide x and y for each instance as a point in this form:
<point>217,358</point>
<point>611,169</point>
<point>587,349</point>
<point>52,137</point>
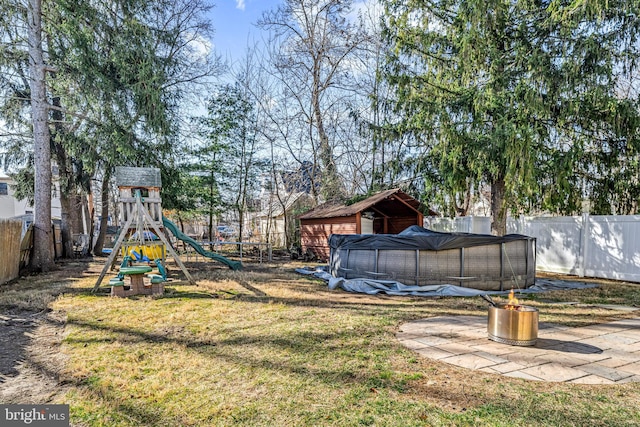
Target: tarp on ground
<point>390,287</point>
<point>416,237</point>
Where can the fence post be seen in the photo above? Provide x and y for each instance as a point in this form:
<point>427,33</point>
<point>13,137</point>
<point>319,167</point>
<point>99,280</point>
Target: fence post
<point>584,239</point>
<point>521,224</point>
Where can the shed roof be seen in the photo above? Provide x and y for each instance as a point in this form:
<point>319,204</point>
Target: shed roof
<point>333,210</point>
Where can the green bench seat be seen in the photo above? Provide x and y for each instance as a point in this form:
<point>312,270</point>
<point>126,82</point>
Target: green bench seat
<point>116,281</point>
<point>158,278</point>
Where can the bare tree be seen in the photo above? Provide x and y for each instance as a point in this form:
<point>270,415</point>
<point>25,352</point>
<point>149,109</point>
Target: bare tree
<point>312,42</point>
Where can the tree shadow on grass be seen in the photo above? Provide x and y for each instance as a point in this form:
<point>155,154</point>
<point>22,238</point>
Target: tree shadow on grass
<point>302,341</point>
<point>30,362</point>
<point>245,284</point>
<point>273,354</point>
<point>17,326</point>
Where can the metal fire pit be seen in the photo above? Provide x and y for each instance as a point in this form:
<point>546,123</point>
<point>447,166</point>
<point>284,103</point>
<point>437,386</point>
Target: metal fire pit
<point>513,327</point>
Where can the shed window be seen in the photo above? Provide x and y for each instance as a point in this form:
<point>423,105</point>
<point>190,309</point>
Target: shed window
<point>4,189</point>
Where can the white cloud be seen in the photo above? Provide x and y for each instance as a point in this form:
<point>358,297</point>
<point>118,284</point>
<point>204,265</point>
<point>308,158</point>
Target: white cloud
<point>200,46</point>
<point>240,4</point>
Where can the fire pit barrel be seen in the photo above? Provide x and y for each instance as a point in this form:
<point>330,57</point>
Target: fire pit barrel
<point>513,325</point>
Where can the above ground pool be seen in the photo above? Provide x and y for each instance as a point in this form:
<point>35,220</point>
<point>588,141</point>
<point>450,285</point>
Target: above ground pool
<point>418,256</point>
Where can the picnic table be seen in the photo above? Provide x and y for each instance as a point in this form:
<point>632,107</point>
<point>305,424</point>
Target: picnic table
<point>136,276</point>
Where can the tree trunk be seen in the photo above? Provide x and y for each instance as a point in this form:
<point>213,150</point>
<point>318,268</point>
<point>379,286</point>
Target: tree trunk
<point>498,208</point>
<point>66,226</point>
<point>212,238</point>
<point>76,212</point>
<point>66,181</point>
<point>42,258</point>
<point>104,220</point>
<point>90,214</point>
<point>331,184</point>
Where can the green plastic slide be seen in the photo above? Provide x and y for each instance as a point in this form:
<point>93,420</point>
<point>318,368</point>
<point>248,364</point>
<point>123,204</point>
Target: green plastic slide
<point>234,265</point>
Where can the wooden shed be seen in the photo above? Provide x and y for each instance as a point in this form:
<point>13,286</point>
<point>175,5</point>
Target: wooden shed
<point>388,212</point>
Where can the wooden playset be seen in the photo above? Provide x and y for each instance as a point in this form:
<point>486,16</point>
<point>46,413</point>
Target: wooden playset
<point>141,240</point>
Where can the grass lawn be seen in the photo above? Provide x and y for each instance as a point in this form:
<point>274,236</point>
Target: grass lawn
<point>269,347</point>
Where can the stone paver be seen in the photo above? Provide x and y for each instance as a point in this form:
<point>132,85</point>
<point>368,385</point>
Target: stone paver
<point>520,374</point>
<point>469,360</point>
<point>633,368</point>
<point>504,368</point>
<point>555,372</point>
<point>599,354</point>
<point>434,353</point>
<point>633,379</point>
<point>591,379</point>
<point>605,372</point>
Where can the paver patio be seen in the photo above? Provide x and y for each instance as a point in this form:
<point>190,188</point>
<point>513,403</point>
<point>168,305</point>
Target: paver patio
<point>607,353</point>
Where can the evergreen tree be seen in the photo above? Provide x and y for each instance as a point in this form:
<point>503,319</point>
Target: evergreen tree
<point>117,72</point>
<point>231,150</point>
<point>510,93</point>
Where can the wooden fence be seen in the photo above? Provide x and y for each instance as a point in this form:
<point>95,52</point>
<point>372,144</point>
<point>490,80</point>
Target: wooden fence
<point>16,248</point>
<point>10,233</point>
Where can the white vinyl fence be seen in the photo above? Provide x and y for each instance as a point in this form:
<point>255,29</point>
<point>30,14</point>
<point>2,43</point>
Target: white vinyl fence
<point>460,224</point>
<point>587,245</point>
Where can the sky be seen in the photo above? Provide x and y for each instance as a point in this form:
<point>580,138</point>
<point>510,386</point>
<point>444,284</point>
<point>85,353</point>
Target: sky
<point>234,25</point>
